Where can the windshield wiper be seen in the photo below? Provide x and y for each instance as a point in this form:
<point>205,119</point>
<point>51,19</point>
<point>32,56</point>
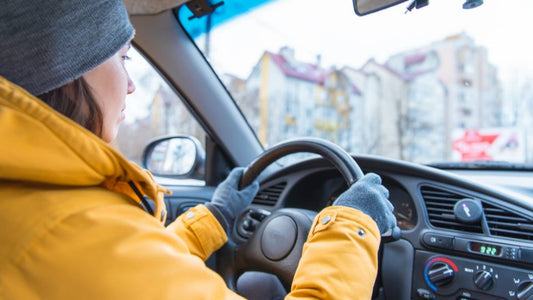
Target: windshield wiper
<point>483,165</point>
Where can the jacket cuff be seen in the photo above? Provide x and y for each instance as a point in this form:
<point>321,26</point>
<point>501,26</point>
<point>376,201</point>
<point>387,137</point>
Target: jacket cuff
<point>334,214</point>
<point>218,215</point>
<point>203,227</point>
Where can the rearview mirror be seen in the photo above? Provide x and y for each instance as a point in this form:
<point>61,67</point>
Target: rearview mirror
<point>364,7</point>
<point>175,156</point>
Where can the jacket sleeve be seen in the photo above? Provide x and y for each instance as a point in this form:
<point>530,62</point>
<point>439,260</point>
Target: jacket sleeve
<point>339,259</point>
<point>339,234</point>
<point>119,252</point>
<point>200,231</point>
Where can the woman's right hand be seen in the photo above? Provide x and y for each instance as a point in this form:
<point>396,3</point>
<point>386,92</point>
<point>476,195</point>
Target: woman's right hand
<point>371,197</point>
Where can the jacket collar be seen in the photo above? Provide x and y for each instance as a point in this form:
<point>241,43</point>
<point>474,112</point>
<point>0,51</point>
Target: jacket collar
<point>43,146</point>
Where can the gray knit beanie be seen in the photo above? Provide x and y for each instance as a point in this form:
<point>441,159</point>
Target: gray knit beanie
<point>46,44</point>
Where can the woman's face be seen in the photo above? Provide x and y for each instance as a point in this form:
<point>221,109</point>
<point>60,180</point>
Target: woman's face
<point>110,83</point>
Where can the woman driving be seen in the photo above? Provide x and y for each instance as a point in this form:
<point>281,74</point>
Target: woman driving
<point>73,219</point>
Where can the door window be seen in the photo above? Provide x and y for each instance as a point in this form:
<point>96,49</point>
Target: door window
<point>152,111</point>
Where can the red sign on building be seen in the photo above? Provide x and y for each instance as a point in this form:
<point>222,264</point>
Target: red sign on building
<point>474,146</point>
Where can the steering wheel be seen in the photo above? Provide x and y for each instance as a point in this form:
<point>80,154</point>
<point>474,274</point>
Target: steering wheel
<point>276,245</point>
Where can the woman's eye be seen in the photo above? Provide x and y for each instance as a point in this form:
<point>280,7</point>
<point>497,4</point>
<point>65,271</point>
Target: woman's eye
<point>126,57</point>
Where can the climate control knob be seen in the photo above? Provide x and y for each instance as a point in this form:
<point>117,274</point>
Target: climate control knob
<point>440,274</point>
<point>525,290</point>
<point>483,280</point>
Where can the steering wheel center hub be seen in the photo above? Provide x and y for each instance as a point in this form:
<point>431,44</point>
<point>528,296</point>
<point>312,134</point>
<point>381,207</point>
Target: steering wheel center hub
<point>279,237</point>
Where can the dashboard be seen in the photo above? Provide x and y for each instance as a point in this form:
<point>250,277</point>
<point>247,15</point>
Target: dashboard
<point>460,239</point>
<point>330,185</point>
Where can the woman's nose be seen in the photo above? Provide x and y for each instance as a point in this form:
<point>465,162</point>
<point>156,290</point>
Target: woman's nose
<point>131,86</point>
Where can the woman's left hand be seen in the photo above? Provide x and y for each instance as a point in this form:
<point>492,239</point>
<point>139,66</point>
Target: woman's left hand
<point>229,201</point>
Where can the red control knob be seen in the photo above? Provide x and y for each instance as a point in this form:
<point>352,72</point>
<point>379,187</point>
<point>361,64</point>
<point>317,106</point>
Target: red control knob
<point>440,274</point>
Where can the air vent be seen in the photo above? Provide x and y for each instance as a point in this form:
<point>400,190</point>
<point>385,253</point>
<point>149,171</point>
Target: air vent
<point>501,222</point>
<point>440,205</point>
<point>270,195</point>
<point>507,224</point>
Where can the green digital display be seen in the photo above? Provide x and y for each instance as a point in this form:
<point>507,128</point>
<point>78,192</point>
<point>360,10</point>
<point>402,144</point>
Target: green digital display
<point>486,249</point>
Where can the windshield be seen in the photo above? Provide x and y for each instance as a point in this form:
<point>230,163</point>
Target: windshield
<point>437,84</point>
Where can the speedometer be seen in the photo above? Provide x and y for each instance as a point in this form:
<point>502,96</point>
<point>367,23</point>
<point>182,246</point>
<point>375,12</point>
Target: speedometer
<point>404,209</point>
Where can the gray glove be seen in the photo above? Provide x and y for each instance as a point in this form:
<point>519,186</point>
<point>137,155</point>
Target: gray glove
<point>370,197</point>
<point>228,201</point>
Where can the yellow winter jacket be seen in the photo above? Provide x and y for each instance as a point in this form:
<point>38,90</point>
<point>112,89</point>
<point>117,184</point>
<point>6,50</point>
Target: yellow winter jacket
<point>72,228</point>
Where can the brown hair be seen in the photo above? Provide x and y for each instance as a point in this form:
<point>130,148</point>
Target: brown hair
<point>76,101</point>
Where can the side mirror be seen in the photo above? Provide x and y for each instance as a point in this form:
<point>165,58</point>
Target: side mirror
<point>175,156</point>
<point>365,7</point>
